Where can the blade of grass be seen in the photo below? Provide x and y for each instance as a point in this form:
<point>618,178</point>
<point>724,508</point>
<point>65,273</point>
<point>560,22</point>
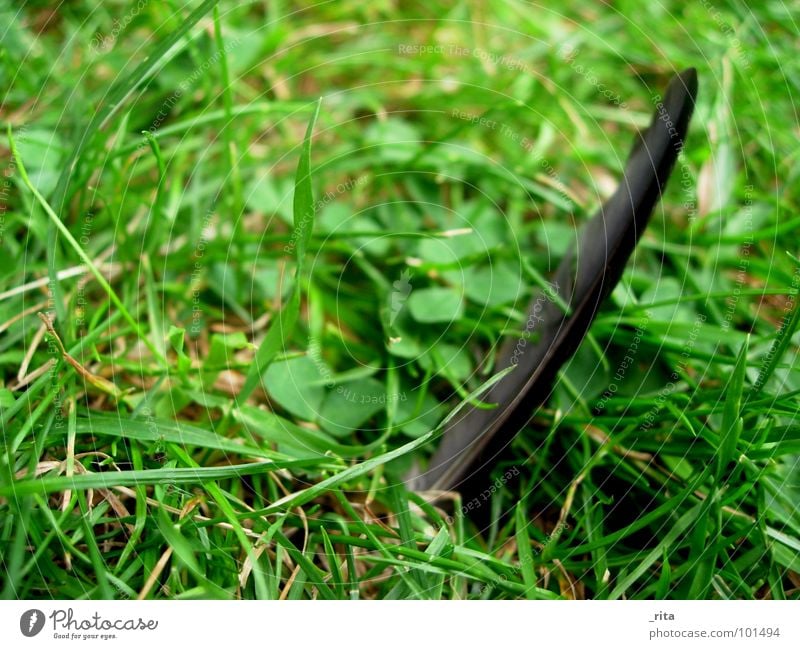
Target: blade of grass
<point>524,551</point>
<point>84,257</point>
<point>304,209</point>
<point>333,562</point>
<point>666,542</point>
<point>732,422</point>
<point>305,495</point>
<point>259,578</point>
<point>117,96</point>
<point>175,432</point>
<point>109,479</point>
<point>237,204</point>
<point>783,339</point>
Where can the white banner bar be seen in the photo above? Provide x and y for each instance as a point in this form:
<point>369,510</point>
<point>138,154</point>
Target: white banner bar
<point>411,624</point>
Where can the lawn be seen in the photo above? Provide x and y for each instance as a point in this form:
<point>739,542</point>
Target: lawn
<point>253,255</point>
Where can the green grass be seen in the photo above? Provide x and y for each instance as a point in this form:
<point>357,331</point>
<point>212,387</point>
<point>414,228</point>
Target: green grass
<point>276,241</point>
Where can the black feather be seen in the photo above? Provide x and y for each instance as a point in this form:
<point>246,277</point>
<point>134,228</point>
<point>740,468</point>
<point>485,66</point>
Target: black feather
<point>586,275</point>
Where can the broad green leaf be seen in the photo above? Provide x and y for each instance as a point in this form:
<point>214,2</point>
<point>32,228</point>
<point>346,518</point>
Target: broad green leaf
<point>435,305</point>
<point>494,284</point>
<point>448,360</point>
<point>416,417</point>
<point>349,405</point>
<point>294,384</point>
<point>393,140</point>
<point>298,441</point>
